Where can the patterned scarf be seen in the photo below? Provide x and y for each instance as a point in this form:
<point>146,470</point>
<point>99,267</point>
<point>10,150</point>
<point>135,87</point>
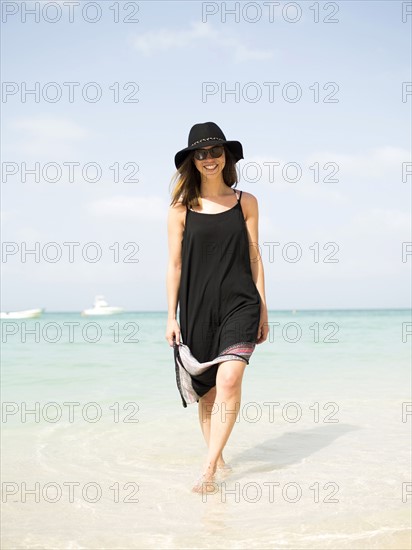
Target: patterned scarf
<point>187,366</point>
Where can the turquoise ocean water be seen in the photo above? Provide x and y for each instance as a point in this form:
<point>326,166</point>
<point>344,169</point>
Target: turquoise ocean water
<point>320,452</point>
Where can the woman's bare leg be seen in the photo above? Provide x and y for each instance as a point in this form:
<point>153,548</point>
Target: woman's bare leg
<point>228,395</point>
<point>205,409</point>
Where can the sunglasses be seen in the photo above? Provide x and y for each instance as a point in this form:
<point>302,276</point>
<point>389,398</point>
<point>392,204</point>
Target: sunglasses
<point>215,152</point>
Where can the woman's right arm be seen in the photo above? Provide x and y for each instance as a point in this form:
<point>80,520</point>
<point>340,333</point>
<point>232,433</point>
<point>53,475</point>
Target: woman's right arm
<point>175,226</point>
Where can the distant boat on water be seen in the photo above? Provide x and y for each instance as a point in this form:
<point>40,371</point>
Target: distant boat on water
<point>101,307</point>
<point>24,314</point>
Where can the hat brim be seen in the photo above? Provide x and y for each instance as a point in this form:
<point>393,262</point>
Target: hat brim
<point>235,147</point>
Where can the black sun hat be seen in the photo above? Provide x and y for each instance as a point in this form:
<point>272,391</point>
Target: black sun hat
<point>205,134</point>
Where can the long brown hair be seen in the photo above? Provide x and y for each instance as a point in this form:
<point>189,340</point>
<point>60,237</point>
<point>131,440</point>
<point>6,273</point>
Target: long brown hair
<point>187,179</point>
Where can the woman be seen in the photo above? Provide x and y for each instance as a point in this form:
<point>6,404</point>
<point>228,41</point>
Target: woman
<point>215,273</point>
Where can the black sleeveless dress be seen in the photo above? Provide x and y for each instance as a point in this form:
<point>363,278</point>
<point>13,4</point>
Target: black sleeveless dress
<point>219,303</point>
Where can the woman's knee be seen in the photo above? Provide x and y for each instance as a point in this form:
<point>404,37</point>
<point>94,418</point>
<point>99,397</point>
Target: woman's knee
<point>209,397</point>
<point>229,378</point>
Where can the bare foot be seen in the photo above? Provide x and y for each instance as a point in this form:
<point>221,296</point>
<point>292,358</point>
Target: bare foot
<point>205,487</point>
<point>222,465</point>
<point>206,482</point>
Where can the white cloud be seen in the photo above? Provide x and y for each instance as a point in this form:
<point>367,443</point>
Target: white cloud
<point>383,163</point>
<point>7,215</point>
<point>126,207</point>
<point>164,39</point>
<point>54,137</point>
<point>372,163</point>
<point>376,221</point>
<point>243,53</point>
<point>50,127</point>
<point>271,175</point>
<point>28,234</point>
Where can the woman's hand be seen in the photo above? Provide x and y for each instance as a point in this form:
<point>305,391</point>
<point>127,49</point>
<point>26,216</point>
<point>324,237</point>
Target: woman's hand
<point>172,332</point>
<point>263,330</point>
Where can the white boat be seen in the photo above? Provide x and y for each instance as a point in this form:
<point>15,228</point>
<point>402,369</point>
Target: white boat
<point>24,314</point>
<point>101,307</point>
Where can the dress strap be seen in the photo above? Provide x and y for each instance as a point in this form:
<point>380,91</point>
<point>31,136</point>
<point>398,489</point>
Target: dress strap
<point>240,196</point>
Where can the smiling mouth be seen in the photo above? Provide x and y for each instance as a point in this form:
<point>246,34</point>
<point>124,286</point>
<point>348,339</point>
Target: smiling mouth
<point>210,167</point>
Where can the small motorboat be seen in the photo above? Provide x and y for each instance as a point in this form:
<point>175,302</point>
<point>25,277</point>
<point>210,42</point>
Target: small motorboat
<point>24,314</point>
<point>101,307</point>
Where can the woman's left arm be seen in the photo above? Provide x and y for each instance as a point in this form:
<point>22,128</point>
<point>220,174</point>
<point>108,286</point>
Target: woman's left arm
<point>251,211</point>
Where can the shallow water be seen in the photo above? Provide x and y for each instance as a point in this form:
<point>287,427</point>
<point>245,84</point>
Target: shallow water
<point>320,452</point>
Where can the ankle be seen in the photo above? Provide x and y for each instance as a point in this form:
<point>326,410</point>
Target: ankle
<point>210,466</point>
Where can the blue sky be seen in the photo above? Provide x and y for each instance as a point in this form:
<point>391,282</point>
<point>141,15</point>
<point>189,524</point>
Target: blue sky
<point>169,55</point>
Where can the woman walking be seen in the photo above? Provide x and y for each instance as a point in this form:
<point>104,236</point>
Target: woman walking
<point>215,274</point>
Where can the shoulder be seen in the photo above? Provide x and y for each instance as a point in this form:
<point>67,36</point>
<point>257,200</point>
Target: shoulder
<point>177,208</point>
<point>177,212</point>
<point>249,204</point>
